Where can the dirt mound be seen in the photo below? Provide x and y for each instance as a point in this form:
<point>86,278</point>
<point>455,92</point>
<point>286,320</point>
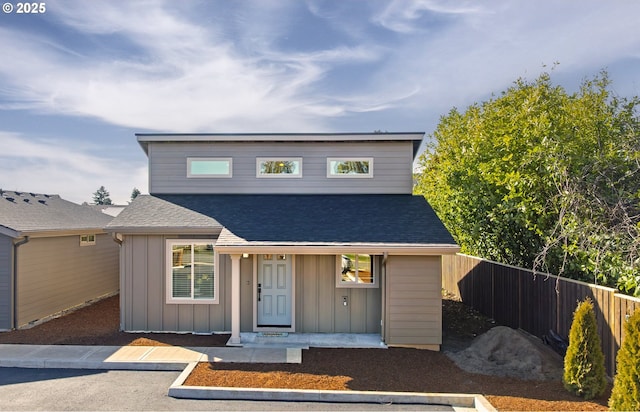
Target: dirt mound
<point>503,351</point>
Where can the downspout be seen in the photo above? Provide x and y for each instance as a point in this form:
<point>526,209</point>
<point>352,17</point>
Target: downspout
<point>16,245</point>
<point>383,286</point>
<point>117,237</point>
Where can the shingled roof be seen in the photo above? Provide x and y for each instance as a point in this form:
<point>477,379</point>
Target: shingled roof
<point>24,213</point>
<point>290,219</point>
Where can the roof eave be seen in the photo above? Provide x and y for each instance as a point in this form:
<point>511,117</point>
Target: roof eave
<point>145,138</point>
<point>7,231</point>
<point>142,230</point>
<point>61,232</point>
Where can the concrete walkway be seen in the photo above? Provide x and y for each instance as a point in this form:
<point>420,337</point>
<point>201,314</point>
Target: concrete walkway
<point>136,357</point>
<point>174,358</point>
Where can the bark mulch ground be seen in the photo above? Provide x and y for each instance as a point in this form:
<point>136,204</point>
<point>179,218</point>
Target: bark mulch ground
<point>393,369</point>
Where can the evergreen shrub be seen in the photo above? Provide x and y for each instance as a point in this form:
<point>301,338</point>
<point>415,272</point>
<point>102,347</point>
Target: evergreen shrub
<point>584,373</point>
<point>625,395</point>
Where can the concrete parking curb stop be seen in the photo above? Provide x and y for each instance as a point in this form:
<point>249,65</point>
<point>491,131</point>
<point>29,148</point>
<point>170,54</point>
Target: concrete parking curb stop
<point>179,390</point>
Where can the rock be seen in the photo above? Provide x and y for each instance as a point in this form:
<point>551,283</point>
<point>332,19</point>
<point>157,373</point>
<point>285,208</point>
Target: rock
<point>503,351</point>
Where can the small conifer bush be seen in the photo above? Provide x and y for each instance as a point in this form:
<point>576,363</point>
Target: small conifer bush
<point>625,395</point>
<point>584,373</point>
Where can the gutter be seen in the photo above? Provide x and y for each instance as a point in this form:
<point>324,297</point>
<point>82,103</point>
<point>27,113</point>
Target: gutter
<point>16,245</point>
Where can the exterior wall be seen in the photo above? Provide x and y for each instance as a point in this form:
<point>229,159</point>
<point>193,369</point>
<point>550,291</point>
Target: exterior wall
<point>56,273</point>
<point>6,269</point>
<point>319,303</point>
<point>414,301</point>
<point>246,292</point>
<point>392,168</point>
<point>143,295</point>
<point>319,307</point>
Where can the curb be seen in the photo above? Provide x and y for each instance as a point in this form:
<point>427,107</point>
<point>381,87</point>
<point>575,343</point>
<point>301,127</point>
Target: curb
<point>178,390</point>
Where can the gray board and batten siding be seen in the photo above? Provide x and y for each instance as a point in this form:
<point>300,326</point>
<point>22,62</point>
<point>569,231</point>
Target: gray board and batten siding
<point>143,298</point>
<point>319,303</point>
<point>392,173</point>
<point>56,273</point>
<point>6,264</point>
<point>319,307</point>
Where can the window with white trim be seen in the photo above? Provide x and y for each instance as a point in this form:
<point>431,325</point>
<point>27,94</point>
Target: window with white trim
<point>209,167</point>
<point>356,270</point>
<point>279,167</point>
<point>190,271</point>
<point>87,240</point>
<point>349,167</point>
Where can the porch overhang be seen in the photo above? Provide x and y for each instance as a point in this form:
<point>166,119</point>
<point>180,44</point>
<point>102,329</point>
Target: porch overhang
<point>336,249</point>
<point>230,243</point>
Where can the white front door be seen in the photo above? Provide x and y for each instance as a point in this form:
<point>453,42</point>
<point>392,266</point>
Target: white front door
<point>274,291</point>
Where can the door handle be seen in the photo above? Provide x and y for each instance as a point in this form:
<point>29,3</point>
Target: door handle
<point>259,291</point>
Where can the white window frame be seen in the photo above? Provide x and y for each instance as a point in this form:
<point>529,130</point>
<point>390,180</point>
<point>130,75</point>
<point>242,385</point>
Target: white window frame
<point>229,160</point>
<point>259,160</point>
<point>88,239</point>
<point>331,175</point>
<point>169,273</point>
<point>340,283</point>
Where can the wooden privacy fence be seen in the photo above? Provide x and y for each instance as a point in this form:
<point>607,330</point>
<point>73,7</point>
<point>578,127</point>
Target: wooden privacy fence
<point>537,303</point>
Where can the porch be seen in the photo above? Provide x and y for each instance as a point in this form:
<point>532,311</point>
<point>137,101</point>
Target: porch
<point>307,340</point>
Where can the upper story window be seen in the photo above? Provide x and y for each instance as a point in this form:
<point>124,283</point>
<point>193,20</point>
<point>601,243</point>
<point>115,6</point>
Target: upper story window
<point>350,167</point>
<point>190,271</point>
<point>356,270</point>
<point>209,166</point>
<point>87,240</point>
<point>279,167</point>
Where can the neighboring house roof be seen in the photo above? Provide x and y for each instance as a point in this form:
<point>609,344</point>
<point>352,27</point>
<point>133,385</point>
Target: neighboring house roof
<point>111,210</point>
<point>290,219</point>
<point>415,137</point>
<point>23,213</point>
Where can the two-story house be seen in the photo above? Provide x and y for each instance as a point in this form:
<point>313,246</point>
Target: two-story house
<point>297,233</point>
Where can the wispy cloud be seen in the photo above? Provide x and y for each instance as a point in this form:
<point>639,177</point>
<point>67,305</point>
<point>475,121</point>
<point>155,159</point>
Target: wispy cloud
<point>410,16</point>
<point>467,51</point>
<point>185,78</point>
<point>61,167</point>
<point>274,65</point>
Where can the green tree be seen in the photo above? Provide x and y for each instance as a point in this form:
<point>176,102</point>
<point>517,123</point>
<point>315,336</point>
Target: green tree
<point>584,361</point>
<point>101,196</point>
<point>541,178</point>
<point>134,193</point>
<point>625,395</point>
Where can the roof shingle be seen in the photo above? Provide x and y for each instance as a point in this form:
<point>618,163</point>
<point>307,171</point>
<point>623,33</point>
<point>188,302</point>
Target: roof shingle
<point>398,219</point>
<point>30,212</point>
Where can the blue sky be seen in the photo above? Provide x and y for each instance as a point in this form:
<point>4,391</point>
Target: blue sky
<point>77,81</point>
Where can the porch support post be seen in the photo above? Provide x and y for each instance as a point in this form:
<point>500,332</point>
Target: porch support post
<point>235,300</point>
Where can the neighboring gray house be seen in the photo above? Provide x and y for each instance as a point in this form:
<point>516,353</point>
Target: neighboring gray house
<point>54,255</point>
<point>297,233</point>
